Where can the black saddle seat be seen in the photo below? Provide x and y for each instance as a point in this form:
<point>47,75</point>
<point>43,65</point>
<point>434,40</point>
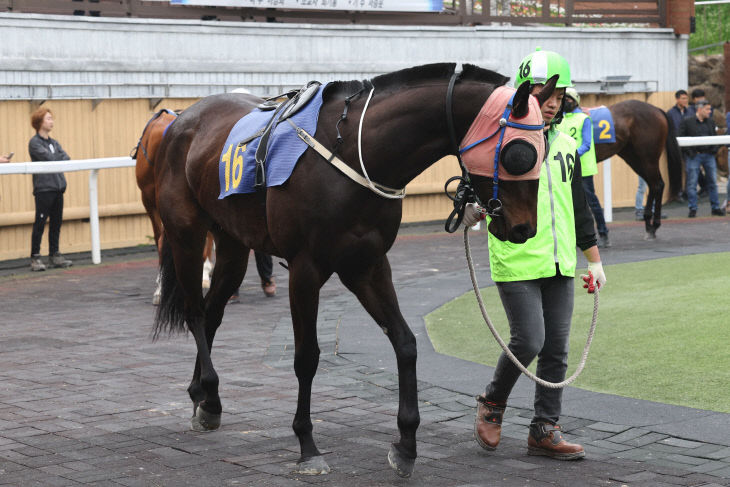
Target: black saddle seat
<point>284,106</point>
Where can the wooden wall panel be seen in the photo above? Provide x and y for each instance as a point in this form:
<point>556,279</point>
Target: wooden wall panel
<point>109,128</point>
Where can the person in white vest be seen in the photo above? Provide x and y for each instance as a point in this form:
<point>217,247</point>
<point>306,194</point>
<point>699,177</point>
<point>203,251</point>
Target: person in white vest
<point>535,279</point>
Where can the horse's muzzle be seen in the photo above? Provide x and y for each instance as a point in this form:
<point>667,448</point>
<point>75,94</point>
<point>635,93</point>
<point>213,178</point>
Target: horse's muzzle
<point>520,233</point>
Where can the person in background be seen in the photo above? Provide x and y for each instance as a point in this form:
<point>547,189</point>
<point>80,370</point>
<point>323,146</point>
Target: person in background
<point>698,95</point>
<point>579,126</point>
<point>701,125</point>
<point>265,268</point>
<point>679,111</point>
<point>48,191</point>
<point>675,114</point>
<point>535,279</point>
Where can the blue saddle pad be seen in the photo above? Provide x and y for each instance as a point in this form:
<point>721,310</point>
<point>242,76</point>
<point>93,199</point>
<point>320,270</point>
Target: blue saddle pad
<point>237,164</point>
<point>604,131</point>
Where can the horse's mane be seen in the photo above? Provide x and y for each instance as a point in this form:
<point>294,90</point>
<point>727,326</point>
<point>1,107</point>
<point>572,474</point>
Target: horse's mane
<point>421,74</point>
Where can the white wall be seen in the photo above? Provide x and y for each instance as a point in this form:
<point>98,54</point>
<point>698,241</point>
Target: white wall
<point>83,57</point>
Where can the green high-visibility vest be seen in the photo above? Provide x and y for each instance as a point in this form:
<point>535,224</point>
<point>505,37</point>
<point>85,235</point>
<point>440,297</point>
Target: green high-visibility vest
<point>555,241</point>
<point>572,125</point>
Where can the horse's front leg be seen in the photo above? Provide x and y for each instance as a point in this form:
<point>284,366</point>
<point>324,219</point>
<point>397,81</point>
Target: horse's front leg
<point>305,281</point>
<point>374,289</point>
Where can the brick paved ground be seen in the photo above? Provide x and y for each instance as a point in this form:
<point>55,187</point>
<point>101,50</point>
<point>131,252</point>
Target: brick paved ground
<point>87,399</point>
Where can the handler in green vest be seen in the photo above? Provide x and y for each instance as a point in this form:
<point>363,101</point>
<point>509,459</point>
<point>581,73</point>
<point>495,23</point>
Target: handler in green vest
<point>579,126</point>
<point>535,279</point>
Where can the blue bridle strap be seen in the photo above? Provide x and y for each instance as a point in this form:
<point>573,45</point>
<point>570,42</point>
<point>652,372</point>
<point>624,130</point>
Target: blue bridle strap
<point>503,124</point>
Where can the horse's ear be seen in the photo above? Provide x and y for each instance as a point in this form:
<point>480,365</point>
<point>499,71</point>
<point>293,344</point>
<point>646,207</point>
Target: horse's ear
<point>520,103</point>
<point>547,89</point>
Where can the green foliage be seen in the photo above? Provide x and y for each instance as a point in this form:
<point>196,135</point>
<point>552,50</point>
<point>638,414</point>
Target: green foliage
<point>712,25</point>
<point>663,331</point>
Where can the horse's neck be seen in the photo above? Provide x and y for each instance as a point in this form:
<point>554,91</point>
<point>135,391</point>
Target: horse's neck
<point>406,133</point>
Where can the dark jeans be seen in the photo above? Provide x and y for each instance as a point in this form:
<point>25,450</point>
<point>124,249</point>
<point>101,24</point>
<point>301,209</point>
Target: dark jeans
<point>539,314</point>
<point>48,204</point>
<point>264,264</point>
<point>595,205</point>
<point>708,163</point>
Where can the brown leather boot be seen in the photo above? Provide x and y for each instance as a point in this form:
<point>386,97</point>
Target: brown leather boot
<point>488,423</point>
<point>546,439</point>
<point>269,287</point>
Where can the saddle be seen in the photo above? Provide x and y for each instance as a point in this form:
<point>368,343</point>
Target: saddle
<point>284,106</point>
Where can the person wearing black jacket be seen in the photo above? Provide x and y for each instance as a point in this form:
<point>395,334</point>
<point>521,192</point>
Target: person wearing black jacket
<point>700,156</point>
<point>48,191</point>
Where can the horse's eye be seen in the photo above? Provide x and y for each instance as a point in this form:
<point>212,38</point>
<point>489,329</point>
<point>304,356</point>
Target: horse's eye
<point>518,157</point>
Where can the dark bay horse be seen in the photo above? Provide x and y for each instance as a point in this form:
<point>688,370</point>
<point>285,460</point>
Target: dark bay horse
<point>643,132</point>
<point>319,221</point>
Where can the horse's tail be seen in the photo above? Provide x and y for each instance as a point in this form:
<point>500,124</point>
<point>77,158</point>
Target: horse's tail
<point>674,161</point>
<point>170,314</point>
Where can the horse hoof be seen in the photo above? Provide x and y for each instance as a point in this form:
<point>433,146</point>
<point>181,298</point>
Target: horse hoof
<point>402,465</point>
<point>205,421</point>
<point>313,466</point>
<point>650,236</point>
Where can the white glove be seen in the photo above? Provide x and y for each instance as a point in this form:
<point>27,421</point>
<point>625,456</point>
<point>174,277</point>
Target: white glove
<point>595,279</point>
<point>473,214</point>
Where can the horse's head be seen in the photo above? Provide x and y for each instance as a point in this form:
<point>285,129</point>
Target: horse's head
<point>503,151</point>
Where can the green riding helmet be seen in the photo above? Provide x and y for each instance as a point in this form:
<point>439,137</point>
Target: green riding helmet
<point>540,66</point>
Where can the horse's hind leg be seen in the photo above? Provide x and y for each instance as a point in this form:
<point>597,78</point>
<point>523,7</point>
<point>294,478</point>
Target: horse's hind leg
<point>305,281</point>
<point>653,208</point>
<point>374,288</point>
<point>227,276</point>
<point>187,247</point>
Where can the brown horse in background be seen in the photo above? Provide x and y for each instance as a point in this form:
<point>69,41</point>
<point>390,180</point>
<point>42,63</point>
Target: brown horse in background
<point>643,132</point>
<point>320,221</point>
<point>145,153</point>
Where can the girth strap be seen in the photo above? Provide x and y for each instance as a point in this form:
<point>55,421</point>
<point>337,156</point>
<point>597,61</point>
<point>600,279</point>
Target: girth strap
<point>340,165</point>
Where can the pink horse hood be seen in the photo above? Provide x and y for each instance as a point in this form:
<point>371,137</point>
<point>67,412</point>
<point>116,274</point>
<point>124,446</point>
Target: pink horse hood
<point>479,159</point>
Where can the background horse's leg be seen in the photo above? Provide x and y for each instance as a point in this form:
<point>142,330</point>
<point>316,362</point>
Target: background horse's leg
<point>374,288</point>
<point>227,276</point>
<point>305,281</point>
<point>207,260</point>
<point>653,217</point>
<point>644,160</point>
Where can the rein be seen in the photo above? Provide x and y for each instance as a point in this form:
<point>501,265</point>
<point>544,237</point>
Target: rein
<point>505,348</point>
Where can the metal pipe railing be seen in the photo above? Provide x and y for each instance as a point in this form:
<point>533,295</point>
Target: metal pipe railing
<point>93,165</point>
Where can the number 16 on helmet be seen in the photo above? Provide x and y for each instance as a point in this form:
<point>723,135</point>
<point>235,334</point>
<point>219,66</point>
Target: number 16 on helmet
<point>540,66</point>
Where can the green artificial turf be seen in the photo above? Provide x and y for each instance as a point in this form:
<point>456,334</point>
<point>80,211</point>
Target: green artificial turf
<point>663,331</point>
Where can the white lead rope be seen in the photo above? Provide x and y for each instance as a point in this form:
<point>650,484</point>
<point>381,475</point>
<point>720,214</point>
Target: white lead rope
<point>507,351</point>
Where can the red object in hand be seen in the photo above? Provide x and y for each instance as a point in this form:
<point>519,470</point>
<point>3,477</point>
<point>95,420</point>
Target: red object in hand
<point>589,283</point>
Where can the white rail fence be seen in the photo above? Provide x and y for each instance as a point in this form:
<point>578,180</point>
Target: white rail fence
<point>94,165</point>
<point>682,141</point>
